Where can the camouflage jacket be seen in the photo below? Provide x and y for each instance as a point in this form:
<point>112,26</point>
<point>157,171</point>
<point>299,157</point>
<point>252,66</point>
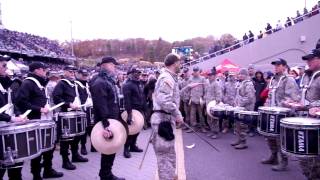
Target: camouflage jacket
<point>213,91</point>
<point>166,94</point>
<point>185,95</point>
<point>313,89</point>
<point>246,95</point>
<point>285,88</point>
<point>229,92</point>
<point>197,92</point>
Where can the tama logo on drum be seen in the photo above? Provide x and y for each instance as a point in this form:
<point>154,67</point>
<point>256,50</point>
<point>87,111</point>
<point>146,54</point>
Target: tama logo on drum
<point>272,123</point>
<point>301,141</point>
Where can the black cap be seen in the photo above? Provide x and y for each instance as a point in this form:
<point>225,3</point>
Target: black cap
<point>84,72</point>
<point>280,62</point>
<point>4,58</point>
<point>109,59</point>
<point>36,65</point>
<point>196,68</point>
<point>70,68</point>
<point>133,70</point>
<point>313,54</point>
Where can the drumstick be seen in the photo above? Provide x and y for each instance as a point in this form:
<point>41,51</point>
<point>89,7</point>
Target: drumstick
<point>24,115</point>
<point>56,106</point>
<point>5,107</point>
<point>69,109</point>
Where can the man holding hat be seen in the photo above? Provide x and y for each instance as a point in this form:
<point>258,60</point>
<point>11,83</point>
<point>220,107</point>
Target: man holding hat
<point>65,91</point>
<point>133,99</point>
<point>196,100</point>
<point>106,106</point>
<point>5,83</point>
<point>33,95</point>
<point>245,97</point>
<point>282,89</point>
<point>213,92</point>
<point>166,114</point>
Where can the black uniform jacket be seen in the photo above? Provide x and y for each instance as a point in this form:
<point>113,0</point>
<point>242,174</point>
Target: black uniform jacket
<point>133,95</point>
<point>63,92</point>
<point>30,96</point>
<point>6,83</point>
<point>105,98</point>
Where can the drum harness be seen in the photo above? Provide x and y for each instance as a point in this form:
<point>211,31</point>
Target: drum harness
<point>274,89</point>
<point>8,108</point>
<point>306,86</point>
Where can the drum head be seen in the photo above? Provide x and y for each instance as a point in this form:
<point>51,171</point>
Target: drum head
<point>274,109</point>
<point>109,146</point>
<point>210,105</point>
<point>299,121</point>
<point>254,113</point>
<point>137,121</point>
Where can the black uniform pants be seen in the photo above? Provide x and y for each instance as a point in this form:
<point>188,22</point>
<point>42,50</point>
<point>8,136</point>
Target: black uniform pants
<point>47,162</point>
<point>64,147</point>
<point>131,140</point>
<point>106,164</point>
<point>13,173</point>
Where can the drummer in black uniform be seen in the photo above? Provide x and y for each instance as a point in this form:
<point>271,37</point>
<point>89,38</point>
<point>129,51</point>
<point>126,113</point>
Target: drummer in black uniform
<point>106,106</point>
<point>32,95</point>
<point>5,83</point>
<point>65,92</point>
<point>133,99</point>
<point>82,82</point>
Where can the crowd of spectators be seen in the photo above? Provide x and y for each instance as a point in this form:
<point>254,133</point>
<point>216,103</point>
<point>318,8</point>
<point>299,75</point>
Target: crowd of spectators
<point>13,41</point>
<point>250,37</point>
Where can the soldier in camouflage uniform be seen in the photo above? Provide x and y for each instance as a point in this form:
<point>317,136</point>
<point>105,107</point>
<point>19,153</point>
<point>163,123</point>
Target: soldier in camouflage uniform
<point>311,166</point>
<point>246,98</point>
<point>229,92</point>
<point>185,97</point>
<point>213,92</point>
<point>166,111</point>
<point>196,100</point>
<point>287,90</point>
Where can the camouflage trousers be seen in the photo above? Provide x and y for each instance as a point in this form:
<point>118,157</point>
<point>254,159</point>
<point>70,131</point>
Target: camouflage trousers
<point>274,146</point>
<point>164,150</point>
<point>194,109</point>
<point>310,168</point>
<point>186,108</point>
<point>241,130</point>
<point>213,124</point>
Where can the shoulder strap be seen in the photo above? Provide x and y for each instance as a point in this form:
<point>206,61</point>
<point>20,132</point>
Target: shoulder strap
<point>2,89</point>
<point>68,82</point>
<point>80,84</point>
<point>35,81</point>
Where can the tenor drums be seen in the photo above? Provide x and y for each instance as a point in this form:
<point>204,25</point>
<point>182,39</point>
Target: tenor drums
<point>90,116</point>
<point>71,124</point>
<point>269,120</point>
<point>19,142</point>
<point>299,137</point>
<point>246,117</point>
<point>47,130</point>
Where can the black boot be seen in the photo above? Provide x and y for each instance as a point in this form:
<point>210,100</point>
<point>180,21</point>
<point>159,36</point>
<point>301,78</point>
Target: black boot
<point>117,178</point>
<point>67,164</point>
<point>126,152</point>
<point>78,158</point>
<point>84,150</point>
<point>135,148</point>
<point>51,173</point>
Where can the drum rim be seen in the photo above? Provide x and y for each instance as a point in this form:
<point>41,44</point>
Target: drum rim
<point>267,134</point>
<point>254,113</point>
<point>273,109</point>
<point>12,129</point>
<point>22,159</point>
<point>286,122</point>
<point>71,112</point>
<point>297,155</point>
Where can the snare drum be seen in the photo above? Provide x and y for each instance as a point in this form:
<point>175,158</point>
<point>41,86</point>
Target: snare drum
<point>47,130</point>
<point>90,116</point>
<point>217,111</point>
<point>230,110</point>
<point>71,124</point>
<point>299,137</point>
<point>19,142</point>
<point>269,120</point>
<point>247,117</point>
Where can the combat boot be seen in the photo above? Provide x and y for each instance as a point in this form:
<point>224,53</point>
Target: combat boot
<point>282,166</point>
<point>135,148</point>
<point>242,145</point>
<point>66,164</point>
<point>236,142</point>
<point>126,152</point>
<point>51,173</point>
<point>273,160</point>
<point>77,158</point>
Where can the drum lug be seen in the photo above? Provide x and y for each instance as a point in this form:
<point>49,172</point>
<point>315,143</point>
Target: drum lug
<point>9,156</point>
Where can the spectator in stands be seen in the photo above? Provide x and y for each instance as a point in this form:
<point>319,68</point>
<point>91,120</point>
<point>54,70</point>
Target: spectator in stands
<point>245,38</point>
<point>264,94</point>
<point>288,22</point>
<point>251,37</point>
<point>315,9</point>
<point>279,26</point>
<point>268,29</point>
<point>305,13</point>
<point>298,18</point>
<point>260,35</point>
<point>294,72</point>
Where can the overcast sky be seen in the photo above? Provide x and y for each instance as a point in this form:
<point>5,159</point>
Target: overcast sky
<point>150,19</point>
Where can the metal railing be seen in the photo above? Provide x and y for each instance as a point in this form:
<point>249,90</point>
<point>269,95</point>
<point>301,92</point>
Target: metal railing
<point>247,41</point>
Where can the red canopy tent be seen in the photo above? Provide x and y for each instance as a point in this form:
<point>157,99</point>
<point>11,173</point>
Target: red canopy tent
<point>227,65</point>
